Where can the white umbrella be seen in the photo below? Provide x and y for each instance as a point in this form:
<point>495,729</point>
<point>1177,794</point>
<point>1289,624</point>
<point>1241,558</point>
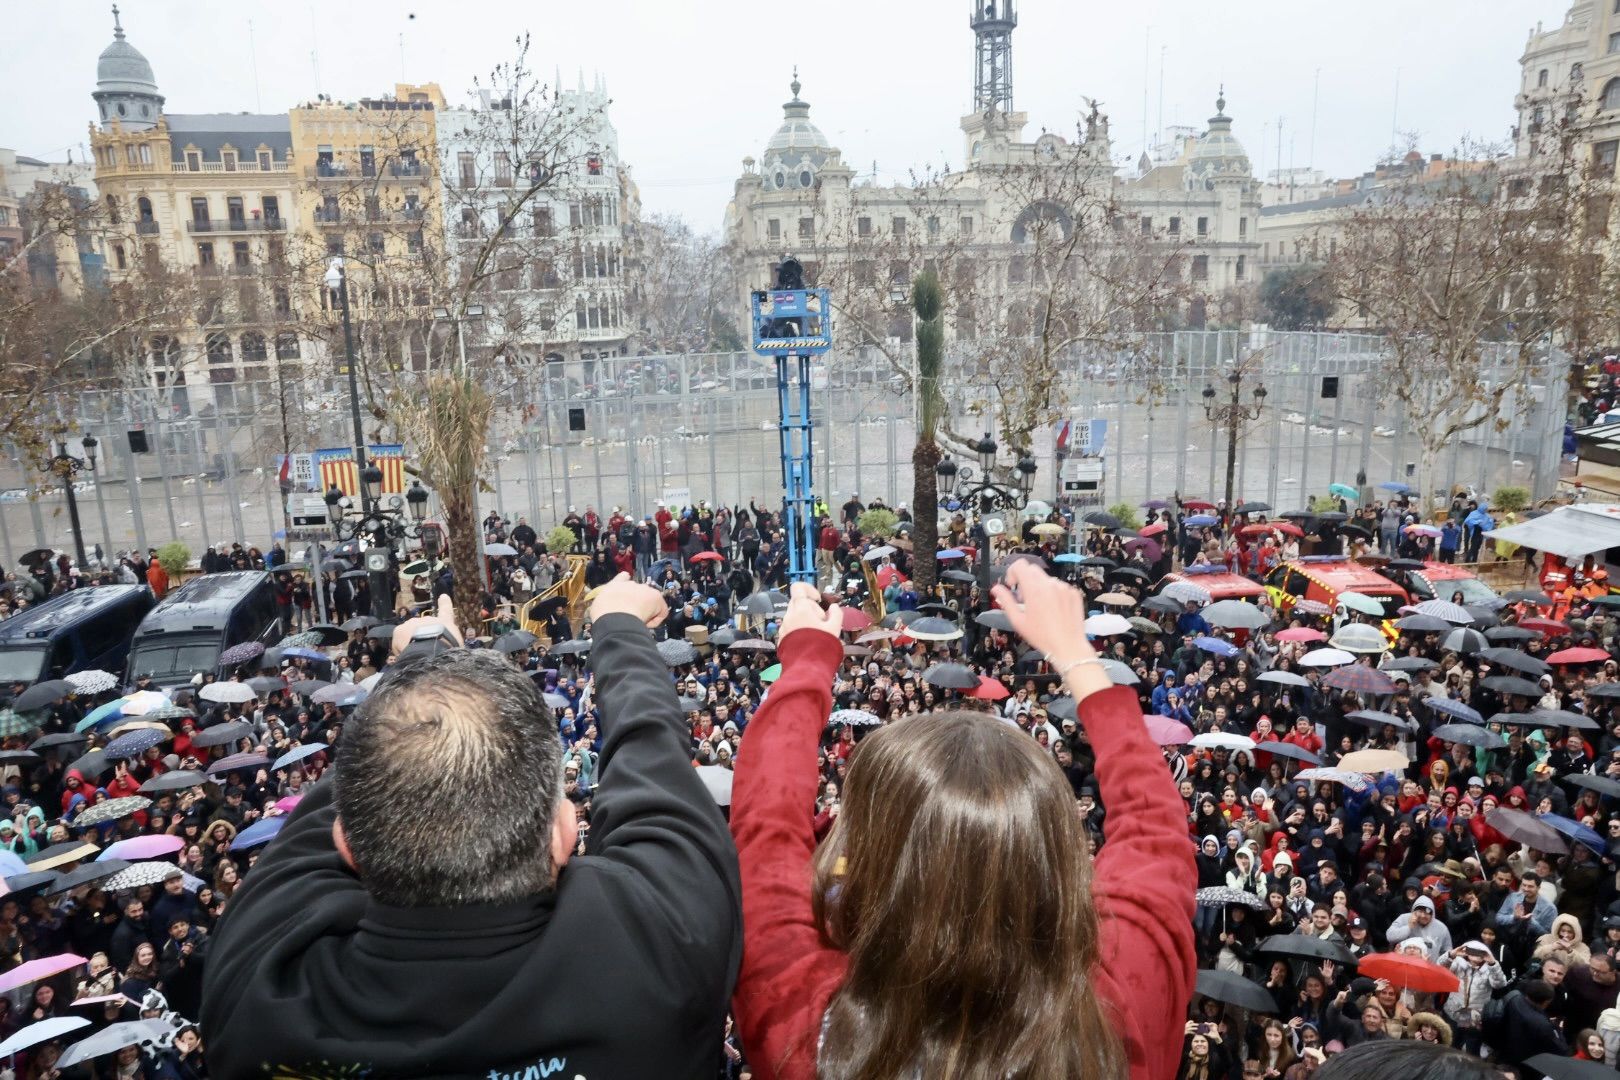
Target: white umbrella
<point>499,549</point>
<point>110,1040</point>
<point>369,683</point>
<point>718,780</point>
<point>1222,740</point>
<point>1107,625</point>
<point>1037,509</point>
<point>44,1031</point>
<point>230,692</point>
<point>1326,658</point>
<point>1235,614</point>
<point>1359,638</point>
<point>92,682</point>
<point>1284,678</point>
<point>878,552</point>
<point>1361,602</point>
<point>1185,592</point>
<point>1120,674</point>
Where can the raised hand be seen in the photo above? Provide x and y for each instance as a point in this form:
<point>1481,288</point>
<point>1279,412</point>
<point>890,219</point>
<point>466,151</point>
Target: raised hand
<point>621,595</point>
<point>804,612</point>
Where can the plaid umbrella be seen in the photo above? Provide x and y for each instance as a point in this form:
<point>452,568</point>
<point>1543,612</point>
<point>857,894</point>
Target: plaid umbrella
<point>241,654</point>
<point>1352,780</point>
<point>16,723</point>
<point>1312,607</point>
<point>1360,679</point>
<point>111,810</point>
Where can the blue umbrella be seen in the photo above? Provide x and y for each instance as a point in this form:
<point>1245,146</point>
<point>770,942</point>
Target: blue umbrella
<point>260,832</point>
<point>298,753</point>
<point>134,743</point>
<point>110,711</point>
<point>1068,557</point>
<point>1395,486</point>
<point>1344,491</point>
<point>1199,521</point>
<point>1453,708</point>
<point>1575,831</point>
<point>1217,646</point>
<point>306,654</point>
<point>951,553</point>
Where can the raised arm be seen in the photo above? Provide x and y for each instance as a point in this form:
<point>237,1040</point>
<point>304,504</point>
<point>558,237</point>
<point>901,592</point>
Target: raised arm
<point>788,975</point>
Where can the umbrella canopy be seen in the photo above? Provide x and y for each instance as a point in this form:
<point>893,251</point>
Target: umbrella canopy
<point>1409,663</point>
<point>1222,740</point>
<point>264,685</point>
<point>91,682</point>
<point>1600,784</point>
<point>1101,519</point>
<point>933,629</point>
<point>42,694</point>
<point>1444,609</point>
<point>1119,672</point>
<point>1301,635</point>
<point>137,848</point>
<point>868,637</point>
<point>1511,685</point>
<point>854,619</point>
<point>575,647</point>
<point>1408,972</point>
<point>297,754</point>
<point>237,761</point>
<point>1163,730</point>
<point>1525,829</point>
<point>138,874</point>
<point>222,734</point>
<point>1580,655</point>
<point>500,550</point>
<point>1463,640</point>
<point>241,654</point>
<point>1454,708</point>
<point>1577,832</point>
<point>339,694</point>
<point>514,641</point>
<point>92,764</point>
<point>879,552</point>
<point>1283,678</point>
<point>1374,761</point>
<point>754,645</point>
<point>260,832</point>
<point>1344,491</point>
<point>1200,521</point>
<point>724,636</point>
<point>101,713</point>
<point>717,779</point>
<point>677,651</point>
<point>1326,658</point>
<point>20,886</point>
<point>1557,1067</point>
<point>1235,615</point>
<point>771,674</point>
<point>46,1030</point>
<point>1361,602</point>
<point>228,692</point>
<point>1216,646</point>
<point>1233,989</point>
<point>994,620</point>
<point>61,738</point>
<point>1107,625</point>
<point>1304,946</point>
<point>1359,679</point>
<point>304,652</point>
<point>1546,627</point>
<point>85,874</point>
<point>1288,750</point>
<point>1375,719</point>
<point>111,1039</point>
<point>1352,780</point>
<point>1359,638</point>
<point>134,744</point>
<point>951,677</point>
<point>1144,626</point>
<point>1515,660</point>
<point>854,718</point>
<point>1185,592</point>
<point>1311,607</point>
<point>965,578</point>
<point>1528,596</point>
<point>359,622</point>
<point>1470,735</point>
<point>1116,599</point>
<point>1422,624</point>
<point>327,634</point>
<point>43,968</point>
<point>989,689</point>
<point>111,810</point>
<point>1219,895</point>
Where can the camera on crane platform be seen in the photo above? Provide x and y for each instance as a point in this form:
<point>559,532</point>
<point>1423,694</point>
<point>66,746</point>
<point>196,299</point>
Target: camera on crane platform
<point>788,318</point>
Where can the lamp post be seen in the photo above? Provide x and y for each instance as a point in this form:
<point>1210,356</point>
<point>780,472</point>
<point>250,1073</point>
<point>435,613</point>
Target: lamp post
<point>67,466</point>
<point>1234,414</point>
<point>985,492</point>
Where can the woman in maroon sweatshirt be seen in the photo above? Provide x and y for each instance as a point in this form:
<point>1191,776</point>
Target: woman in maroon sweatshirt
<point>952,925</point>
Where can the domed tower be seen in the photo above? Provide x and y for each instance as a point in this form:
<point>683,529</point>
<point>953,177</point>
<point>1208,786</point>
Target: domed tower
<point>1217,155</point>
<point>797,151</point>
<point>125,88</point>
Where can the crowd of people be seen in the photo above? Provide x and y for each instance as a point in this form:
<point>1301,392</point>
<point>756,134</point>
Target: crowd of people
<point>1458,885</point>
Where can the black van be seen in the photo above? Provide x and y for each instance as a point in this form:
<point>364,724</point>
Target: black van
<point>191,626</point>
<point>82,630</point>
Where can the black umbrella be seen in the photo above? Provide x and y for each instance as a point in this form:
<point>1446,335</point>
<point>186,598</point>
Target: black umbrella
<point>1219,895</point>
<point>176,780</point>
<point>42,694</point>
<point>1510,633</point>
<point>1558,1067</point>
<point>574,647</point>
<point>85,874</point>
<point>900,618</point>
<point>37,556</point>
<point>1287,750</point>
<point>1306,947</point>
<point>330,635</point>
<point>1332,516</point>
<point>61,738</point>
<point>944,611</point>
<point>1469,735</point>
<point>514,641</point>
<point>1355,531</point>
<point>24,885</point>
<point>1252,508</point>
<point>1097,560</point>
<point>268,684</point>
<point>1526,829</point>
<point>1102,519</point>
<point>951,677</point>
<point>1483,616</point>
<point>1422,624</point>
<point>1403,564</point>
<point>1410,663</point>
<point>758,604</point>
<point>1464,640</point>
<point>1063,708</point>
<point>1604,690</point>
<point>1127,571</point>
<point>994,620</point>
<point>1564,718</point>
<point>19,757</point>
<point>381,632</point>
<point>1514,660</point>
<point>1528,596</point>
<point>1511,685</point>
<point>222,734</point>
<point>959,575</point>
<point>1592,782</point>
<point>724,636</point>
<point>1234,989</point>
<point>1375,719</point>
<point>359,622</point>
<point>92,764</point>
<point>1166,604</point>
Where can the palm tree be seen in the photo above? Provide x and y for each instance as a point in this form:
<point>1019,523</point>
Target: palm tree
<point>928,301</point>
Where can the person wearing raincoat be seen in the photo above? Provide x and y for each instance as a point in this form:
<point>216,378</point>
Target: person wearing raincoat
<point>1475,526</point>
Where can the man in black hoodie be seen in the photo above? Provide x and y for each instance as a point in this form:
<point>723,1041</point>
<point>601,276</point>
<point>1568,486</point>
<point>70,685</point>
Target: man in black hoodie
<point>416,918</point>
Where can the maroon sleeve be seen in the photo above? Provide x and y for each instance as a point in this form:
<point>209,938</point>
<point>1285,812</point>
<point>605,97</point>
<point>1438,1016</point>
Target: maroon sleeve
<point>787,974</point>
<point>1143,884</point>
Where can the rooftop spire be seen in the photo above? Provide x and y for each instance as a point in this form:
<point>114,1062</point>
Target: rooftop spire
<point>118,27</point>
<point>794,85</point>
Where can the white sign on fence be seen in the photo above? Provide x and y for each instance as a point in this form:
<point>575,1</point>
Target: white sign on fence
<point>675,498</point>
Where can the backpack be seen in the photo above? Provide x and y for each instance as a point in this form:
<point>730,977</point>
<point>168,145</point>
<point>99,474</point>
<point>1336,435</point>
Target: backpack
<point>1493,1017</point>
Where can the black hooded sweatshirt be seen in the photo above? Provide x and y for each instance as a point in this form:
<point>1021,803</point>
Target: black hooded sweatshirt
<point>624,970</point>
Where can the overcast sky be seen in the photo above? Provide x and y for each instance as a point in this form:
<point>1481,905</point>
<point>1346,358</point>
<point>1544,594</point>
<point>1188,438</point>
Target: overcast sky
<point>697,87</point>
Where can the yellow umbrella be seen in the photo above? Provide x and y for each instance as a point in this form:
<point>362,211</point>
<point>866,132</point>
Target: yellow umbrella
<point>1048,528</point>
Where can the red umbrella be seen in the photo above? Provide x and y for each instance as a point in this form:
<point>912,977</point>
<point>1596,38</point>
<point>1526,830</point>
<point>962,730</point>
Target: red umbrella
<point>1167,732</point>
<point>1578,656</point>
<point>886,575</point>
<point>1287,528</point>
<point>1301,633</point>
<point>855,619</point>
<point>1547,627</point>
<point>1408,972</point>
<point>988,689</point>
<point>708,556</point>
<point>1152,530</point>
<point>1198,504</point>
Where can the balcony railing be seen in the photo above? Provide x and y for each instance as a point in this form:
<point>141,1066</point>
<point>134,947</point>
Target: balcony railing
<point>330,172</point>
<point>405,170</point>
<point>243,166</point>
<point>146,228</point>
<point>328,217</point>
<point>271,224</point>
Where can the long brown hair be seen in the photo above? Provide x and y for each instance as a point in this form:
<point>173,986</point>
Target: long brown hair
<point>957,880</point>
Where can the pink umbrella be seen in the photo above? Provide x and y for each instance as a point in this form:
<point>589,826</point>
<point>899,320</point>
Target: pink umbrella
<point>1167,732</point>
<point>286,804</point>
<point>35,970</point>
<point>1301,633</point>
<point>143,847</point>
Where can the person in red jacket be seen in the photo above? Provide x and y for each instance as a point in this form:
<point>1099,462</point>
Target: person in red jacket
<point>956,873</point>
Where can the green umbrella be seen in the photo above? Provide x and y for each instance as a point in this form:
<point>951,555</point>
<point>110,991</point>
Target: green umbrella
<point>771,674</point>
<point>1344,490</point>
<point>16,723</point>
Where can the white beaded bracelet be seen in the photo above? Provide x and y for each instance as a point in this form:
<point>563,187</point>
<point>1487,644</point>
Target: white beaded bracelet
<point>1063,672</point>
